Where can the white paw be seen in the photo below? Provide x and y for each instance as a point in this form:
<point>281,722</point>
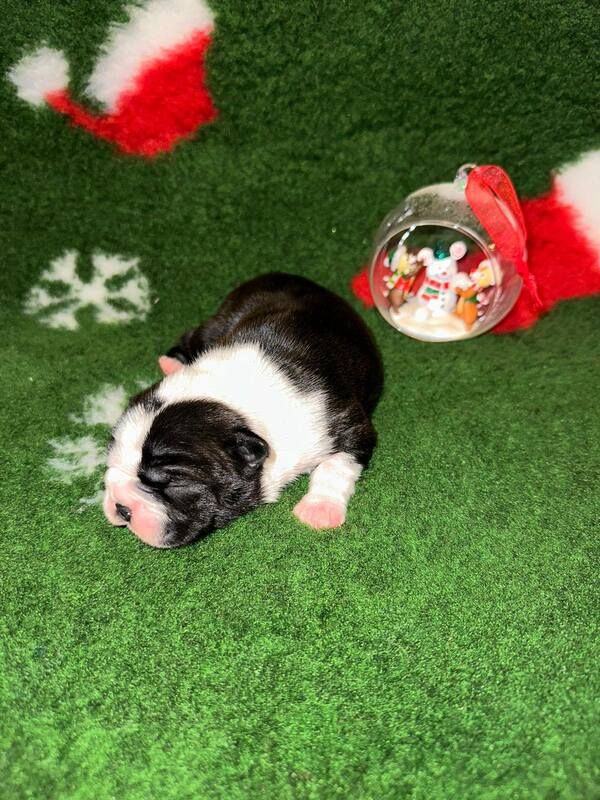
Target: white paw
<point>320,512</point>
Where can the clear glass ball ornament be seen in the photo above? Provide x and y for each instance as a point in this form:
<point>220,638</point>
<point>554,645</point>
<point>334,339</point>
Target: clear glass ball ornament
<point>435,273</point>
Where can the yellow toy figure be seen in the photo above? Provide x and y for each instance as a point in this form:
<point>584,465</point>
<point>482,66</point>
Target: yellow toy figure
<point>404,266</point>
<point>482,277</point>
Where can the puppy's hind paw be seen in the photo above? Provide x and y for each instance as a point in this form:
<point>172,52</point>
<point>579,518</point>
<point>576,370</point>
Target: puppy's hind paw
<point>320,512</point>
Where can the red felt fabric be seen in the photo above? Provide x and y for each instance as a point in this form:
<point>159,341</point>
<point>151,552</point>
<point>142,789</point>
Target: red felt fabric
<point>361,288</point>
<point>168,101</point>
<point>561,259</point>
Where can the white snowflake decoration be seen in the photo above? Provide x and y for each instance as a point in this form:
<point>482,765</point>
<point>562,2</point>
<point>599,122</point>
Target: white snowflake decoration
<point>75,458</point>
<point>78,458</point>
<point>117,291</point>
<point>103,408</point>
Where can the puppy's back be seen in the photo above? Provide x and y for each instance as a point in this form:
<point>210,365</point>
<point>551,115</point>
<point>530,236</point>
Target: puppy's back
<point>311,334</point>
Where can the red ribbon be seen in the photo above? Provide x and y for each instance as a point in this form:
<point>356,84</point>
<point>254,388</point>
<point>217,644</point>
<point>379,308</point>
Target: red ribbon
<point>494,202</point>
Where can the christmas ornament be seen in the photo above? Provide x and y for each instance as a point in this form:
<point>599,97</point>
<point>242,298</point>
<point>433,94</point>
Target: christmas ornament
<point>552,243</point>
<point>150,78</point>
<point>443,246</point>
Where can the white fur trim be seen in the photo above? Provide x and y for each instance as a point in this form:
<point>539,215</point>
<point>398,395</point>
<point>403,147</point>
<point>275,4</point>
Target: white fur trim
<point>292,422</point>
<point>35,76</point>
<point>579,188</point>
<point>152,30</point>
<point>130,434</point>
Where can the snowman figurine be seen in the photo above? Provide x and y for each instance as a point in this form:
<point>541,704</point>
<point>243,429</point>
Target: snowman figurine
<point>437,294</point>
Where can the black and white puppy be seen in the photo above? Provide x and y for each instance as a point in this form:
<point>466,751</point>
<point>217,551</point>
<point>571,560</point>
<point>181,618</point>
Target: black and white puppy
<point>281,381</point>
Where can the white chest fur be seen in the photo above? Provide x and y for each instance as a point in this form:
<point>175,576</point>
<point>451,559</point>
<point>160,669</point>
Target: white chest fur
<point>292,422</point>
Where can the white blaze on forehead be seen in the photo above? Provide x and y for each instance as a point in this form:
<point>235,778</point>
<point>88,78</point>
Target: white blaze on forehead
<point>242,377</point>
<point>130,435</point>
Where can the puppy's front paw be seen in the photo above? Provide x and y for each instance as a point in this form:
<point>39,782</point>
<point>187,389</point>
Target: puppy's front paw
<point>320,513</point>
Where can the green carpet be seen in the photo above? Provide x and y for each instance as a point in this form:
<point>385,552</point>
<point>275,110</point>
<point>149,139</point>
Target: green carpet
<point>444,644</point>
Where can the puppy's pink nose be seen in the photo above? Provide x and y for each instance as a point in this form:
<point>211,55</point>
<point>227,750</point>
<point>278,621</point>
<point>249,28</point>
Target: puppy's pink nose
<point>126,504</point>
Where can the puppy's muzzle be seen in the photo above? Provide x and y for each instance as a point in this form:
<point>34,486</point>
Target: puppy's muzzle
<point>127,503</point>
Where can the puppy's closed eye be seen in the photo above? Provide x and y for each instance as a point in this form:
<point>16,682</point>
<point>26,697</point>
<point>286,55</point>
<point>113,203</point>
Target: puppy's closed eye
<point>155,477</point>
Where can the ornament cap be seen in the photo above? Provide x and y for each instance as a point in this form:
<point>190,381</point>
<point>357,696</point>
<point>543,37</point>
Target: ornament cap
<point>462,175</point>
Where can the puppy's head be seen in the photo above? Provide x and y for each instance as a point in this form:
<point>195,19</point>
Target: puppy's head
<point>179,470</point>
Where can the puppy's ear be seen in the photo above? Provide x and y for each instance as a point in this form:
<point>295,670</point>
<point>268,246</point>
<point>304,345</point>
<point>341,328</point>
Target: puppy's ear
<point>250,448</point>
<point>188,347</point>
<point>168,365</point>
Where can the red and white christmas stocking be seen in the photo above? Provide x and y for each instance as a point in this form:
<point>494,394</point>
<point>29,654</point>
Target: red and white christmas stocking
<point>150,78</point>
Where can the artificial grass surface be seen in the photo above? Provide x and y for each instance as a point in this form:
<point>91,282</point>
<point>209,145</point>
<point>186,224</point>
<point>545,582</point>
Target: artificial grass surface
<point>444,644</point>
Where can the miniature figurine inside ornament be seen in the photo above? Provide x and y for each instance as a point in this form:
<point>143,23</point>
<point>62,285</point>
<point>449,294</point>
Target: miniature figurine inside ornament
<point>430,290</point>
<point>437,274</point>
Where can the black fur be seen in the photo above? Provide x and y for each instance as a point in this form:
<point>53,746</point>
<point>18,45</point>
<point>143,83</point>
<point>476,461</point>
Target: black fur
<point>314,336</point>
<point>147,399</point>
<point>203,463</point>
<point>200,458</point>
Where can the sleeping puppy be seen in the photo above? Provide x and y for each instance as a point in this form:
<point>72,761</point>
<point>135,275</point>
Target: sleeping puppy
<point>281,381</point>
